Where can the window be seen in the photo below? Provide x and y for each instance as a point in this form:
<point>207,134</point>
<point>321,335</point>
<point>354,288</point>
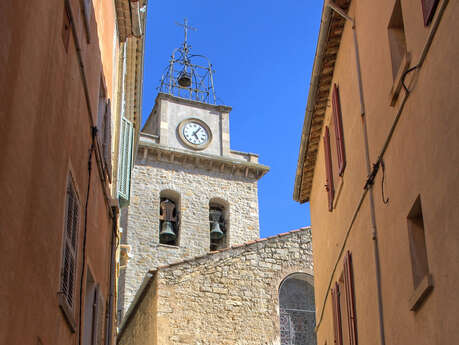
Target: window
<point>420,268</point>
<point>397,39</point>
<point>70,238</point>
<point>218,225</point>
<point>66,29</point>
<point>428,10</point>
<point>125,160</point>
<point>344,316</point>
<point>338,125</point>
<point>93,312</point>
<point>297,310</point>
<point>104,128</point>
<point>87,11</point>
<point>329,186</point>
<point>169,218</point>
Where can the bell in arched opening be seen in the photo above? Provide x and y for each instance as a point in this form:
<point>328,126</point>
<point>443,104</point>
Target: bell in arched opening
<point>168,222</point>
<point>184,79</point>
<point>215,216</point>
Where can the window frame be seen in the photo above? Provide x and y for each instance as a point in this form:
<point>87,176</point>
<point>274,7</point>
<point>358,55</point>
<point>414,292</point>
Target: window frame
<point>66,299</point>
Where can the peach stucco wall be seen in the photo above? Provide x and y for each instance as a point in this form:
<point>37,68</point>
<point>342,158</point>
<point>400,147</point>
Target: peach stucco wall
<point>422,159</point>
<point>45,133</point>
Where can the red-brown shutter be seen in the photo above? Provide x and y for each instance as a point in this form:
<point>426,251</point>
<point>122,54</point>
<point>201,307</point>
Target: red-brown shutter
<point>107,139</point>
<point>337,327</point>
<point>428,10</point>
<point>338,124</point>
<point>350,303</point>
<point>328,169</point>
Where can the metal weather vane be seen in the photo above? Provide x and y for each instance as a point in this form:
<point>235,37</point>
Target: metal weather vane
<point>188,75</point>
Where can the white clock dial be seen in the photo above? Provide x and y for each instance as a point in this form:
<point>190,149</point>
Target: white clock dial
<point>195,133</point>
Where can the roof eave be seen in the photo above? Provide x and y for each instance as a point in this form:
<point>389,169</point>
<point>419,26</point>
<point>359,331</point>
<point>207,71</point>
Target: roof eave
<point>321,44</point>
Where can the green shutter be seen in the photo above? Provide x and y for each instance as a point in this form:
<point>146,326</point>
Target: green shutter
<point>125,160</point>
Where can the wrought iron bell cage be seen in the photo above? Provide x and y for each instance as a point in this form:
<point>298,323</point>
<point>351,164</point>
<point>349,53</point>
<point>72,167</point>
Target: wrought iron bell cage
<point>189,75</point>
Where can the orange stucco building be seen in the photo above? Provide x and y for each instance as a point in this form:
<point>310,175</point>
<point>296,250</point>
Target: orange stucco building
<point>379,164</point>
<point>62,99</point>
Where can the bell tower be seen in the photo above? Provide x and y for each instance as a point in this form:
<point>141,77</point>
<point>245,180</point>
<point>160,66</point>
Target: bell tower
<point>191,193</point>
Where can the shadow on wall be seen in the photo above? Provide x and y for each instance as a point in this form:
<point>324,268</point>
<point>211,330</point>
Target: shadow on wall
<point>297,310</point>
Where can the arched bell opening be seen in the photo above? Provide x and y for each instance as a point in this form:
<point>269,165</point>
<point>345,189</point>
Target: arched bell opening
<point>297,310</point>
<point>169,218</point>
<point>218,224</point>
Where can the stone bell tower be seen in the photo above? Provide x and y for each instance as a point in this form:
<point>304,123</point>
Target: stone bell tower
<point>191,194</point>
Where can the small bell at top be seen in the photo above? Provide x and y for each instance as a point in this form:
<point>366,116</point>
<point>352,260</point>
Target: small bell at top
<point>184,79</point>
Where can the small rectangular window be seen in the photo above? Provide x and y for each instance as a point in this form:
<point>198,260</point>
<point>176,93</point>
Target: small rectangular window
<point>87,12</point>
<point>329,186</point>
<point>422,280</point>
<point>66,29</point>
<point>420,266</point>
<point>397,38</point>
<point>338,125</point>
<point>428,10</point>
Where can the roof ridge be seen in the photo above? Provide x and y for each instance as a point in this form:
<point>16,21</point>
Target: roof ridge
<point>235,246</point>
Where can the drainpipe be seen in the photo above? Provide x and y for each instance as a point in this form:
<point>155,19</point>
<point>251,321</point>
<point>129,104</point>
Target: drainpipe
<point>369,186</point>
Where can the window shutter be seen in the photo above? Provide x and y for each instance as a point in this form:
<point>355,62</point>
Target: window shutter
<point>338,124</point>
<point>349,287</point>
<point>337,327</point>
<point>428,10</point>
<point>125,159</point>
<point>328,169</point>
<point>107,145</point>
<point>70,239</point>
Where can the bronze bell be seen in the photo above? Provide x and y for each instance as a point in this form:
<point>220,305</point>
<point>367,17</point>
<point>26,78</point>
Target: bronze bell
<point>184,79</point>
<point>167,233</point>
<point>216,232</point>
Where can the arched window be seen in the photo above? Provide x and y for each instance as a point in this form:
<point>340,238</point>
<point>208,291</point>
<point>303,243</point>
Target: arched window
<point>297,310</point>
<point>169,218</point>
<point>218,224</point>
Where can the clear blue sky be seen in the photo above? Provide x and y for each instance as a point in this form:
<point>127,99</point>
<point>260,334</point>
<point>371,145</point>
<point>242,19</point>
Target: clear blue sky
<point>263,53</point>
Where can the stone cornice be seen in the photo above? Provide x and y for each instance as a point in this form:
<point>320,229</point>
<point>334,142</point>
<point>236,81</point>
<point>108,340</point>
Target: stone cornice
<point>236,167</point>
<point>219,108</point>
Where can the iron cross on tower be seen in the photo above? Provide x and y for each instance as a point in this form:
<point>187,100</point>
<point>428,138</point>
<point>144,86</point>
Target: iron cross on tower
<point>185,28</point>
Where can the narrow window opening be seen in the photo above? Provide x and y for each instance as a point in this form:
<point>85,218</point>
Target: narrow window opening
<point>417,240</point>
<point>90,301</point>
<point>66,29</point>
<point>218,226</point>
<point>397,38</point>
<point>169,219</point>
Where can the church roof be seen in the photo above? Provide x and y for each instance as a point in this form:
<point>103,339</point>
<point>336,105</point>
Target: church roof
<point>236,246</point>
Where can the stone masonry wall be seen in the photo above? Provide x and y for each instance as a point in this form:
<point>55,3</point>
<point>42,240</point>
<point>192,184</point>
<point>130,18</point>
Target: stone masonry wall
<point>225,298</point>
<point>196,188</point>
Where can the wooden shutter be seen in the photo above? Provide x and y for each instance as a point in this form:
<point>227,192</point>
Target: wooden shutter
<point>337,326</point>
<point>98,317</point>
<point>338,124</point>
<point>428,10</point>
<point>349,287</point>
<point>125,159</point>
<point>107,139</point>
<point>70,239</point>
<point>328,170</point>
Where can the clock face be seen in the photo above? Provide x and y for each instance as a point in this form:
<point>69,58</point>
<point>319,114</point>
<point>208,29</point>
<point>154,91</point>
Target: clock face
<point>195,133</point>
